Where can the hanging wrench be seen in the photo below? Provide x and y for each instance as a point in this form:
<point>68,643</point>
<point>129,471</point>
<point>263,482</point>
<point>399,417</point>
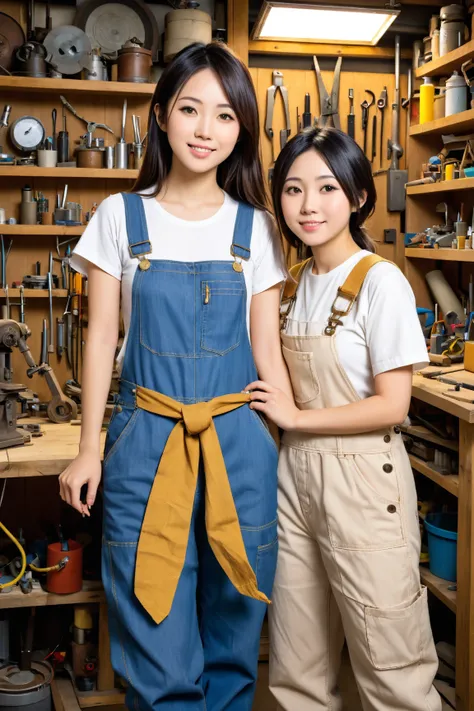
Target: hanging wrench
<point>381,104</point>
<point>365,106</point>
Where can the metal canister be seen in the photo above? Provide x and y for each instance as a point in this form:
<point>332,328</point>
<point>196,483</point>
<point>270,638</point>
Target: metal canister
<point>109,157</point>
<point>456,95</point>
<point>452,29</point>
<point>134,64</point>
<point>121,155</point>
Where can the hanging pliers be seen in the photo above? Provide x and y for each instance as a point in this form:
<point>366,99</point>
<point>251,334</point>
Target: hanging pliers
<point>277,86</point>
<point>329,103</point>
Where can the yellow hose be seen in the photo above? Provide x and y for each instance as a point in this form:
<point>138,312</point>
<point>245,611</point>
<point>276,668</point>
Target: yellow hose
<point>23,558</point>
<point>58,566</point>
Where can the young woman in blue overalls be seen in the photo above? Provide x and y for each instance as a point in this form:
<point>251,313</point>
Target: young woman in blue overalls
<point>189,475</point>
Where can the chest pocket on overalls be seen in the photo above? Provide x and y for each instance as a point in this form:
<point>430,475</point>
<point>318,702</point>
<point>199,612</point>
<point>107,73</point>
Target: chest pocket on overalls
<point>223,313</point>
<point>164,299</point>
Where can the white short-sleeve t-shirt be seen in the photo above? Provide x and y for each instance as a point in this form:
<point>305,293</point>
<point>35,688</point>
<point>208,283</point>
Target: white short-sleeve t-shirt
<point>382,331</point>
<point>105,244</point>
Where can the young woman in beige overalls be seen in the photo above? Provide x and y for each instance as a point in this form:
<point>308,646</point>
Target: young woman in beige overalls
<point>349,538</point>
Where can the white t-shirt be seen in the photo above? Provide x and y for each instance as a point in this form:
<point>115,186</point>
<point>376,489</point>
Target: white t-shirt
<point>382,331</point>
<point>105,244</point>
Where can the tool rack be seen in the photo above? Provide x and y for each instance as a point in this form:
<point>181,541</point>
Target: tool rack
<point>31,243</point>
<point>457,265</point>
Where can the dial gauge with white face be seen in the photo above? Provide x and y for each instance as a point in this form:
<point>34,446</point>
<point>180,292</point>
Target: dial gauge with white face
<point>27,133</point>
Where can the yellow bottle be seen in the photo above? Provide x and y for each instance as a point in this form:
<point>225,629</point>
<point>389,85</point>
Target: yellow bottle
<point>427,92</point>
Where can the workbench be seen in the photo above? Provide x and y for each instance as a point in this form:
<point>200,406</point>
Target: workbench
<point>49,455</point>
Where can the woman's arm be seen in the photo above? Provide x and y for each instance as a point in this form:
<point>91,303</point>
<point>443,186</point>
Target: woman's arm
<point>102,336</point>
<point>388,407</point>
<point>265,339</point>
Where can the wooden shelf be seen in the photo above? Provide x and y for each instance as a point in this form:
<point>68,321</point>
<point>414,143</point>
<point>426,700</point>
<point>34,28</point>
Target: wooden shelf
<point>445,65</point>
<point>445,254</point>
<point>92,591</point>
<point>443,186</point>
<point>433,393</point>
<point>425,434</point>
<point>33,171</point>
<point>79,85</point>
<point>457,123</point>
<point>33,293</point>
<point>449,482</point>
<point>439,588</point>
<point>44,230</point>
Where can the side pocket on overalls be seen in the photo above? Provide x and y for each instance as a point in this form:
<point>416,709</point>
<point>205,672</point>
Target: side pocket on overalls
<point>398,636</point>
<point>121,424</point>
<point>261,544</point>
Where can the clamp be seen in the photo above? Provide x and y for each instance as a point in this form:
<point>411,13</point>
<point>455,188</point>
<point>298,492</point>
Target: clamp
<point>329,103</point>
<point>365,106</point>
<point>91,125</point>
<point>277,86</point>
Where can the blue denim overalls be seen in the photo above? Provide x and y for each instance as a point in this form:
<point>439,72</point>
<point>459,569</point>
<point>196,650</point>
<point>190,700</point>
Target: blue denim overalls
<point>203,655</point>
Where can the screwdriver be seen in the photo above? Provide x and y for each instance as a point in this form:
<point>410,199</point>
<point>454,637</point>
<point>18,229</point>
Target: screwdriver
<point>63,141</point>
<point>351,116</point>
<point>307,111</point>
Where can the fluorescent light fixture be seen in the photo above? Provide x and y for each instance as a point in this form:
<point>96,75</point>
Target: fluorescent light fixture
<point>322,23</point>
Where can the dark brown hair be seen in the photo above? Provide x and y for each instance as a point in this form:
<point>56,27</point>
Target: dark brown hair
<point>349,166</point>
<point>241,174</point>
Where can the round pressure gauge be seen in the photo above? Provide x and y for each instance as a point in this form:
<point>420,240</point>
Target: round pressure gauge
<point>27,133</point>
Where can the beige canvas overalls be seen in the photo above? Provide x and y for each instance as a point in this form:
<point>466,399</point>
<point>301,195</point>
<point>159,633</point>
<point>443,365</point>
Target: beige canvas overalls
<point>349,546</point>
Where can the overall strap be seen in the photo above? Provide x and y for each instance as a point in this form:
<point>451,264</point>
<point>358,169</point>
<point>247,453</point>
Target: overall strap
<point>240,247</point>
<point>289,291</point>
<point>137,231</point>
<point>350,291</point>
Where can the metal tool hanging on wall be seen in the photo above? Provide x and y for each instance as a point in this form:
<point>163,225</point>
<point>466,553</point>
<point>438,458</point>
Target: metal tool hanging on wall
<point>276,87</point>
<point>381,105</point>
<point>351,116</point>
<point>365,106</point>
<point>328,103</point>
<point>396,178</point>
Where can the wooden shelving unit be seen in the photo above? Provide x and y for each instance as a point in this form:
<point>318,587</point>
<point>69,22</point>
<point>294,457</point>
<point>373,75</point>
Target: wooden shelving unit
<point>425,434</point>
<point>449,482</point>
<point>33,293</point>
<point>457,123</point>
<point>49,85</point>
<point>439,588</point>
<point>41,230</point>
<point>33,171</point>
<point>443,254</point>
<point>92,592</point>
<point>445,65</point>
<point>443,186</point>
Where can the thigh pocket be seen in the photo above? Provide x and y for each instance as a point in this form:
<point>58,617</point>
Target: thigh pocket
<point>396,635</point>
<point>302,374</point>
<point>223,311</point>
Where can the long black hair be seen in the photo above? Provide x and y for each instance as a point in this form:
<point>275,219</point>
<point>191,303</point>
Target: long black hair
<point>241,174</point>
<point>349,166</point>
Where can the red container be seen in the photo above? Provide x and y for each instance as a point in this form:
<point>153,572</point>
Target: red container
<point>69,579</point>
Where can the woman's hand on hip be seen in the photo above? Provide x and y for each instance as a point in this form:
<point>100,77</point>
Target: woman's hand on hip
<point>85,469</point>
<point>274,403</point>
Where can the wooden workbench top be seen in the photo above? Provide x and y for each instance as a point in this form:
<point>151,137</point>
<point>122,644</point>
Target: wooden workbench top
<point>50,454</point>
<point>43,456</point>
<point>434,393</point>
